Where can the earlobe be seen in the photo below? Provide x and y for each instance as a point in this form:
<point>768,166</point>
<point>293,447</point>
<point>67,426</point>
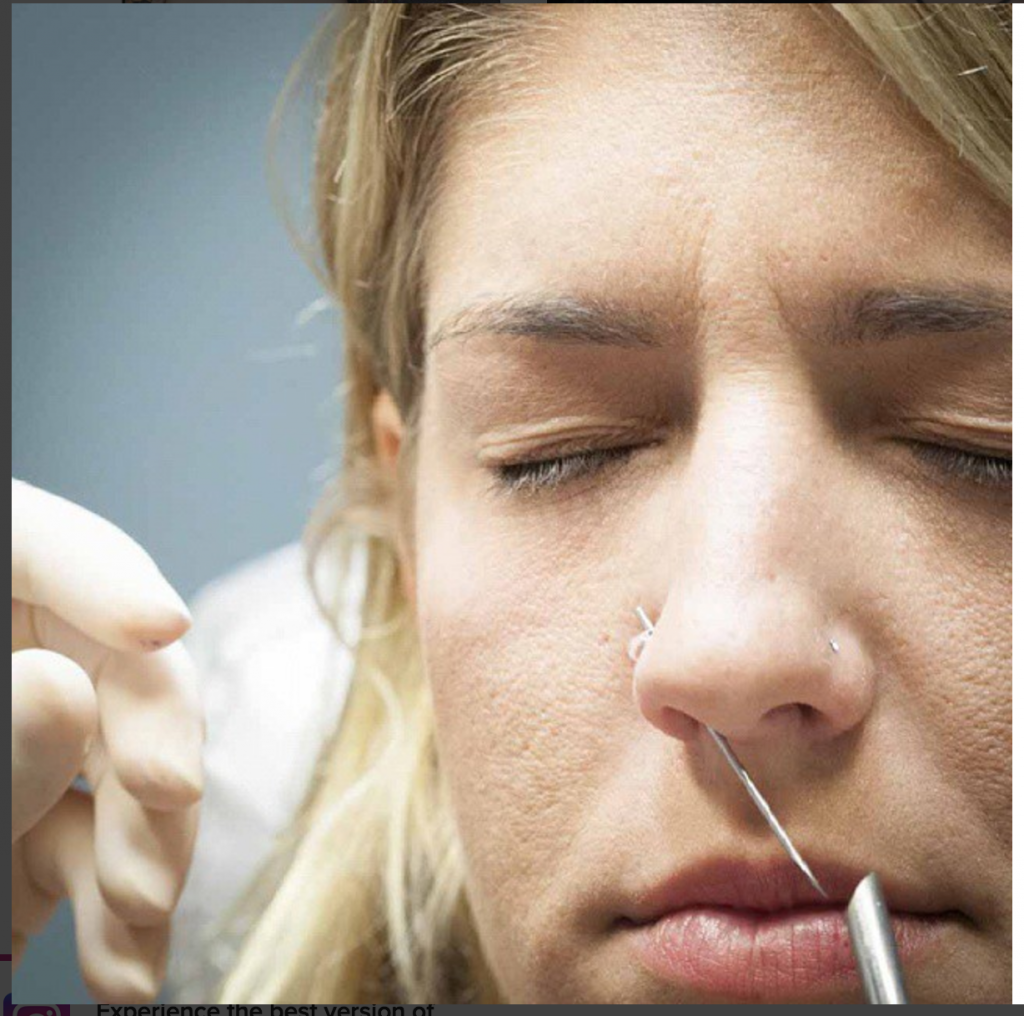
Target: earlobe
<point>388,430</point>
<point>388,435</point>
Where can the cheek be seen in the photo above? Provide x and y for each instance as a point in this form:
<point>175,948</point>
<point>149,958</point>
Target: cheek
<point>513,668</point>
<point>949,599</point>
<point>530,692</point>
<point>970,703</point>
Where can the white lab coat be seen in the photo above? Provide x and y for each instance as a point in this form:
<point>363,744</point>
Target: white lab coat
<point>273,679</point>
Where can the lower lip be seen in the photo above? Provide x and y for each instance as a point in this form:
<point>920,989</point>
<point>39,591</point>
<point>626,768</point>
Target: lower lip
<point>751,955</point>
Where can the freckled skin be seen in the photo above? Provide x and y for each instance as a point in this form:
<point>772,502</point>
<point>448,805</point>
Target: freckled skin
<point>731,166</point>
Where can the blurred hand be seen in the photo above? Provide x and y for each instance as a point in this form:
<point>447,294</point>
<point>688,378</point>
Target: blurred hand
<point>100,686</point>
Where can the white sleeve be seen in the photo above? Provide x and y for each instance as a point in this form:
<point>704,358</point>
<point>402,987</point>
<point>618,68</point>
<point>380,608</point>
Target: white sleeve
<point>273,680</point>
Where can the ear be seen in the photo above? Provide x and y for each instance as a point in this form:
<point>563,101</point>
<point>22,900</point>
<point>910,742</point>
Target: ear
<point>388,435</point>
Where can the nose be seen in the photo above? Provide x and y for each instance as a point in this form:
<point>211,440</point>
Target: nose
<point>758,635</point>
<point>766,667</point>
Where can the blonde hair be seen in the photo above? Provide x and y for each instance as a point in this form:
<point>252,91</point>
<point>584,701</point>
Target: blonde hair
<point>364,898</point>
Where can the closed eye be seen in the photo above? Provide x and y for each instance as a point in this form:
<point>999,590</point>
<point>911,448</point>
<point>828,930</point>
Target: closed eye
<point>535,476</point>
<point>546,474</point>
<point>974,467</point>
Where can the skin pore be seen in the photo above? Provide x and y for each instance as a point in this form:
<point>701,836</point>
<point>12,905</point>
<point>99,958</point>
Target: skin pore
<point>802,307</point>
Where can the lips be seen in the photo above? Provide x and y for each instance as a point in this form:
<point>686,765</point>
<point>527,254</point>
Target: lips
<point>773,886</point>
<point>760,932</point>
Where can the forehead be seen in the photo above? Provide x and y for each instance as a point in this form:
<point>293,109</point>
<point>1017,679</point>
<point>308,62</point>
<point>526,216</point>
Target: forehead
<point>661,149</point>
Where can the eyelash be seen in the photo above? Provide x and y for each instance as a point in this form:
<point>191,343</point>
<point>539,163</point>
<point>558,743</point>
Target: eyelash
<point>983,470</point>
<point>548,474</point>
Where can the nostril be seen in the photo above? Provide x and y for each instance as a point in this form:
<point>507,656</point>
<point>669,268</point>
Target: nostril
<point>677,723</point>
<point>792,711</point>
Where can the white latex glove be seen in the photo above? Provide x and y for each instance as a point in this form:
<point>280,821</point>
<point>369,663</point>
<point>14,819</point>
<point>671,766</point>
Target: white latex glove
<point>100,686</point>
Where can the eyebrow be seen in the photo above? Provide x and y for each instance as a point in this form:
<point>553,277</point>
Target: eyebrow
<point>881,315</point>
<point>857,318</point>
<point>565,319</point>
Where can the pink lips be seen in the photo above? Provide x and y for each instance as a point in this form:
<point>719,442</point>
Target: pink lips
<point>761,932</point>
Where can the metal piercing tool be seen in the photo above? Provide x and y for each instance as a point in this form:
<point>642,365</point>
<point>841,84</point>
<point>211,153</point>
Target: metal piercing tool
<point>873,944</point>
<point>867,917</point>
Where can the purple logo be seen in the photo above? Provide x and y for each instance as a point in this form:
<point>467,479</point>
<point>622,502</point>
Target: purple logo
<point>10,1009</point>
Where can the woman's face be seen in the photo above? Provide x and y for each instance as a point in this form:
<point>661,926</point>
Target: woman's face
<point>709,243</point>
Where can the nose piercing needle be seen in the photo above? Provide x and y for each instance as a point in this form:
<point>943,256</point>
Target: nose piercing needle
<point>762,806</point>
<point>748,783</point>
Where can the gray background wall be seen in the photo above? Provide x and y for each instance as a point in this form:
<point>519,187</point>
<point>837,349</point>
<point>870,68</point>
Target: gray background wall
<point>159,376</point>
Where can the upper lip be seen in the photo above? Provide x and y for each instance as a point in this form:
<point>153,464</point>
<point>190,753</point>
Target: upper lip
<point>769,887</point>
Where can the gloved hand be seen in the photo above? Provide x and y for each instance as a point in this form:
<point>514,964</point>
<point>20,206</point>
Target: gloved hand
<point>100,686</point>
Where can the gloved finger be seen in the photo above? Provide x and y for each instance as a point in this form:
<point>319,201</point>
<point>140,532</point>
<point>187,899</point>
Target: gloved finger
<point>142,855</point>
<point>150,712</point>
<point>119,963</point>
<point>91,573</point>
<point>153,725</point>
<point>53,722</point>
<point>31,908</point>
<point>23,635</point>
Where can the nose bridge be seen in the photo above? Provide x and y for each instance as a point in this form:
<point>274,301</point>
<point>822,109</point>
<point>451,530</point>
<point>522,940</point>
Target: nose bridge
<point>756,496</point>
